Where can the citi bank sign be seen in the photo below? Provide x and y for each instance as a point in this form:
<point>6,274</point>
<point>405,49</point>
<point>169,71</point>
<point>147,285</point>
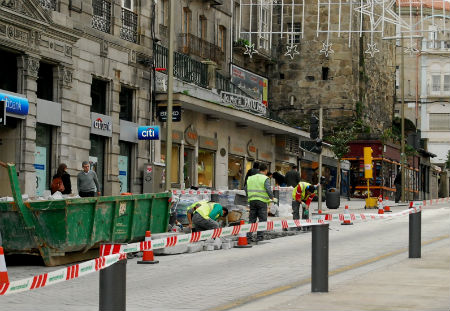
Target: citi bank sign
<point>101,125</point>
<point>148,132</point>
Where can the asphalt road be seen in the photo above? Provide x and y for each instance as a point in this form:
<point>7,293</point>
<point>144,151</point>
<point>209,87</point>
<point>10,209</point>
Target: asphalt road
<point>239,278</point>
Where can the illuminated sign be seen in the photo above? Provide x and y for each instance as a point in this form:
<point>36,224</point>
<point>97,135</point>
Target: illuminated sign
<point>15,104</point>
<point>150,132</point>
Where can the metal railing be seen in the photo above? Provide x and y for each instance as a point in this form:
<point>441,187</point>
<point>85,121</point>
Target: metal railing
<point>128,31</point>
<point>101,20</point>
<point>224,84</point>
<point>185,68</point>
<point>48,4</point>
<point>190,44</point>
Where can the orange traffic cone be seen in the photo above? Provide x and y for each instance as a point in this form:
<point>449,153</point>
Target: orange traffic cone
<point>387,208</point>
<point>242,239</point>
<point>347,220</point>
<point>411,204</point>
<point>3,271</point>
<point>147,257</point>
<point>380,205</point>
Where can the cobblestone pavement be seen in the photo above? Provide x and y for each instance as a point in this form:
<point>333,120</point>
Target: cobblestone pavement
<point>210,280</point>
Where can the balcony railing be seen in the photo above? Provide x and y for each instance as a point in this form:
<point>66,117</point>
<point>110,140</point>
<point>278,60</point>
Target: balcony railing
<point>128,31</point>
<point>48,4</point>
<point>101,20</point>
<point>224,84</point>
<point>190,44</point>
<point>185,68</point>
<point>440,45</point>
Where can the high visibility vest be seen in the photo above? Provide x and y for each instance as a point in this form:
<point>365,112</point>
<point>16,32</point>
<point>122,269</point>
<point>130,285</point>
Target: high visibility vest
<point>256,189</point>
<point>303,185</point>
<point>194,205</point>
<point>204,209</point>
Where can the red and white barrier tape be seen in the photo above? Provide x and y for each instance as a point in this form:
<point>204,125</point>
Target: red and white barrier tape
<point>111,253</point>
<point>61,275</point>
<point>436,201</point>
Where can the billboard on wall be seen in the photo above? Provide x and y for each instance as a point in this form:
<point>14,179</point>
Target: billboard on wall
<point>252,84</point>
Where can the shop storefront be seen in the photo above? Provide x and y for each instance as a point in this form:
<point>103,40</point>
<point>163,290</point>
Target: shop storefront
<point>176,160</point>
<point>236,169</point>
<point>206,161</point>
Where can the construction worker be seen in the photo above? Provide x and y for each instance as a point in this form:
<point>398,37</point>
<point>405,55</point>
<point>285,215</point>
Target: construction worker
<point>205,215</point>
<point>190,213</point>
<point>301,193</point>
<point>259,194</point>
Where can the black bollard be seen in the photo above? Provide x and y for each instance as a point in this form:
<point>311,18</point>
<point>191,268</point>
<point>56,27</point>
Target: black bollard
<point>415,235</point>
<point>319,265</point>
<point>276,194</point>
<point>113,287</point>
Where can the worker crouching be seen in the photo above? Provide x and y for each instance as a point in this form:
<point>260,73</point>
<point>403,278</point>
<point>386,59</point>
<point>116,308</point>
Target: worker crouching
<point>300,195</point>
<point>205,215</point>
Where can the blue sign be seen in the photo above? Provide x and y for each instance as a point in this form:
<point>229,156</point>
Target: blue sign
<point>150,132</point>
<point>15,104</point>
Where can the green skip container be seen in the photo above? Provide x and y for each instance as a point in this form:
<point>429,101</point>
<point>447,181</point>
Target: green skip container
<point>70,230</point>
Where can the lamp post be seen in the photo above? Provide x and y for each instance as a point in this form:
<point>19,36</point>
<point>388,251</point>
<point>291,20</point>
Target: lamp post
<point>169,95</point>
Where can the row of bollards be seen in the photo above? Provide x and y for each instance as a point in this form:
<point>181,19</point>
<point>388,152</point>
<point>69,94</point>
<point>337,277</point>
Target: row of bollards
<point>112,295</point>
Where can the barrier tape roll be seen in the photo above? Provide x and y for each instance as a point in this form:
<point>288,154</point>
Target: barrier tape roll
<point>112,253</point>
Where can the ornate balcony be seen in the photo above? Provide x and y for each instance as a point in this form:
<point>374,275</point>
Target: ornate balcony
<point>101,20</point>
<point>190,44</point>
<point>128,31</point>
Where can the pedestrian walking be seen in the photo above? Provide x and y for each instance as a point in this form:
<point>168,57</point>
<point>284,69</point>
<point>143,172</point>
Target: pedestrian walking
<point>254,170</point>
<point>205,215</point>
<point>87,181</point>
<point>398,186</point>
<point>280,180</point>
<point>292,177</point>
<point>300,194</point>
<point>259,194</point>
<point>61,180</point>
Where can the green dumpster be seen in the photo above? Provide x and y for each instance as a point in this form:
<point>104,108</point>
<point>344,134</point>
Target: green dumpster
<point>69,230</point>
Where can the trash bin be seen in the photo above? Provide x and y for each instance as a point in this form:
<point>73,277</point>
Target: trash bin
<point>333,198</point>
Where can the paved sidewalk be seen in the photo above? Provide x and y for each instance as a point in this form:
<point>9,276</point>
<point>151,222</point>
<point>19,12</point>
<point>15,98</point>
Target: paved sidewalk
<point>395,283</point>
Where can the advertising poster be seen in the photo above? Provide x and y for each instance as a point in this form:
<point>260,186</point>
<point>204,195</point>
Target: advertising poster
<point>123,173</point>
<point>40,157</point>
<point>252,84</point>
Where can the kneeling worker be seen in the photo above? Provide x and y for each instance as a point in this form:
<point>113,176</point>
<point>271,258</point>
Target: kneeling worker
<point>300,195</point>
<point>205,215</point>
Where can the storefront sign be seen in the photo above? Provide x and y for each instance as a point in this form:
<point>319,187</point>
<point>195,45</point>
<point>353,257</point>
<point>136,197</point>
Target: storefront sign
<point>190,135</point>
<point>128,131</point>
<point>101,124</point>
<point>207,143</point>
<point>148,132</point>
<point>48,112</point>
<point>237,150</point>
<point>40,159</point>
<point>265,156</point>
<point>123,173</point>
<point>162,113</point>
<point>2,112</point>
<point>252,84</point>
<point>251,149</point>
<point>244,103</point>
<point>15,104</point>
<point>177,136</point>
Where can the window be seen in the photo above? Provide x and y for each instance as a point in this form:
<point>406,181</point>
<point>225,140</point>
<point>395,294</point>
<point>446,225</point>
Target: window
<point>446,83</point>
<point>294,33</point>
<point>236,22</point>
<point>45,82</point>
<point>42,157</point>
<point>98,95</point>
<point>436,83</point>
<point>186,20</point>
<point>97,157</point>
<point>101,19</point>
<point>8,82</point>
<point>164,10</point>
<point>126,104</point>
<point>439,121</point>
<point>205,167</point>
<point>264,29</point>
<point>325,72</point>
<point>202,26</point>
<point>125,166</point>
<point>175,162</point>
<point>221,40</point>
<point>127,4</point>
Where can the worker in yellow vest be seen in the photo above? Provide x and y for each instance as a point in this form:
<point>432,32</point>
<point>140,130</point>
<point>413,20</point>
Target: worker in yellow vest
<point>205,215</point>
<point>259,194</point>
<point>300,195</point>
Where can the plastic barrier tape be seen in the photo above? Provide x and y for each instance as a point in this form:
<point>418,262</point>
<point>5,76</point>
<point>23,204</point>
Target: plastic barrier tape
<point>111,253</point>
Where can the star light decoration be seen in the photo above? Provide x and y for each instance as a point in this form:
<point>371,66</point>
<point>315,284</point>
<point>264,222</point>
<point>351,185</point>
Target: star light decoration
<point>411,49</point>
<point>388,7</point>
<point>326,49</point>
<point>372,49</point>
<point>291,51</point>
<point>250,50</point>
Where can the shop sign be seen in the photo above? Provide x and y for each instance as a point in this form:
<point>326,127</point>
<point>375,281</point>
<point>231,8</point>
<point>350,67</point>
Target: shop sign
<point>244,103</point>
<point>2,112</point>
<point>101,124</point>
<point>190,135</point>
<point>252,84</point>
<point>251,149</point>
<point>15,104</point>
<point>162,113</point>
<point>264,155</point>
<point>150,132</point>
<point>177,136</point>
<point>237,150</point>
<point>207,143</point>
